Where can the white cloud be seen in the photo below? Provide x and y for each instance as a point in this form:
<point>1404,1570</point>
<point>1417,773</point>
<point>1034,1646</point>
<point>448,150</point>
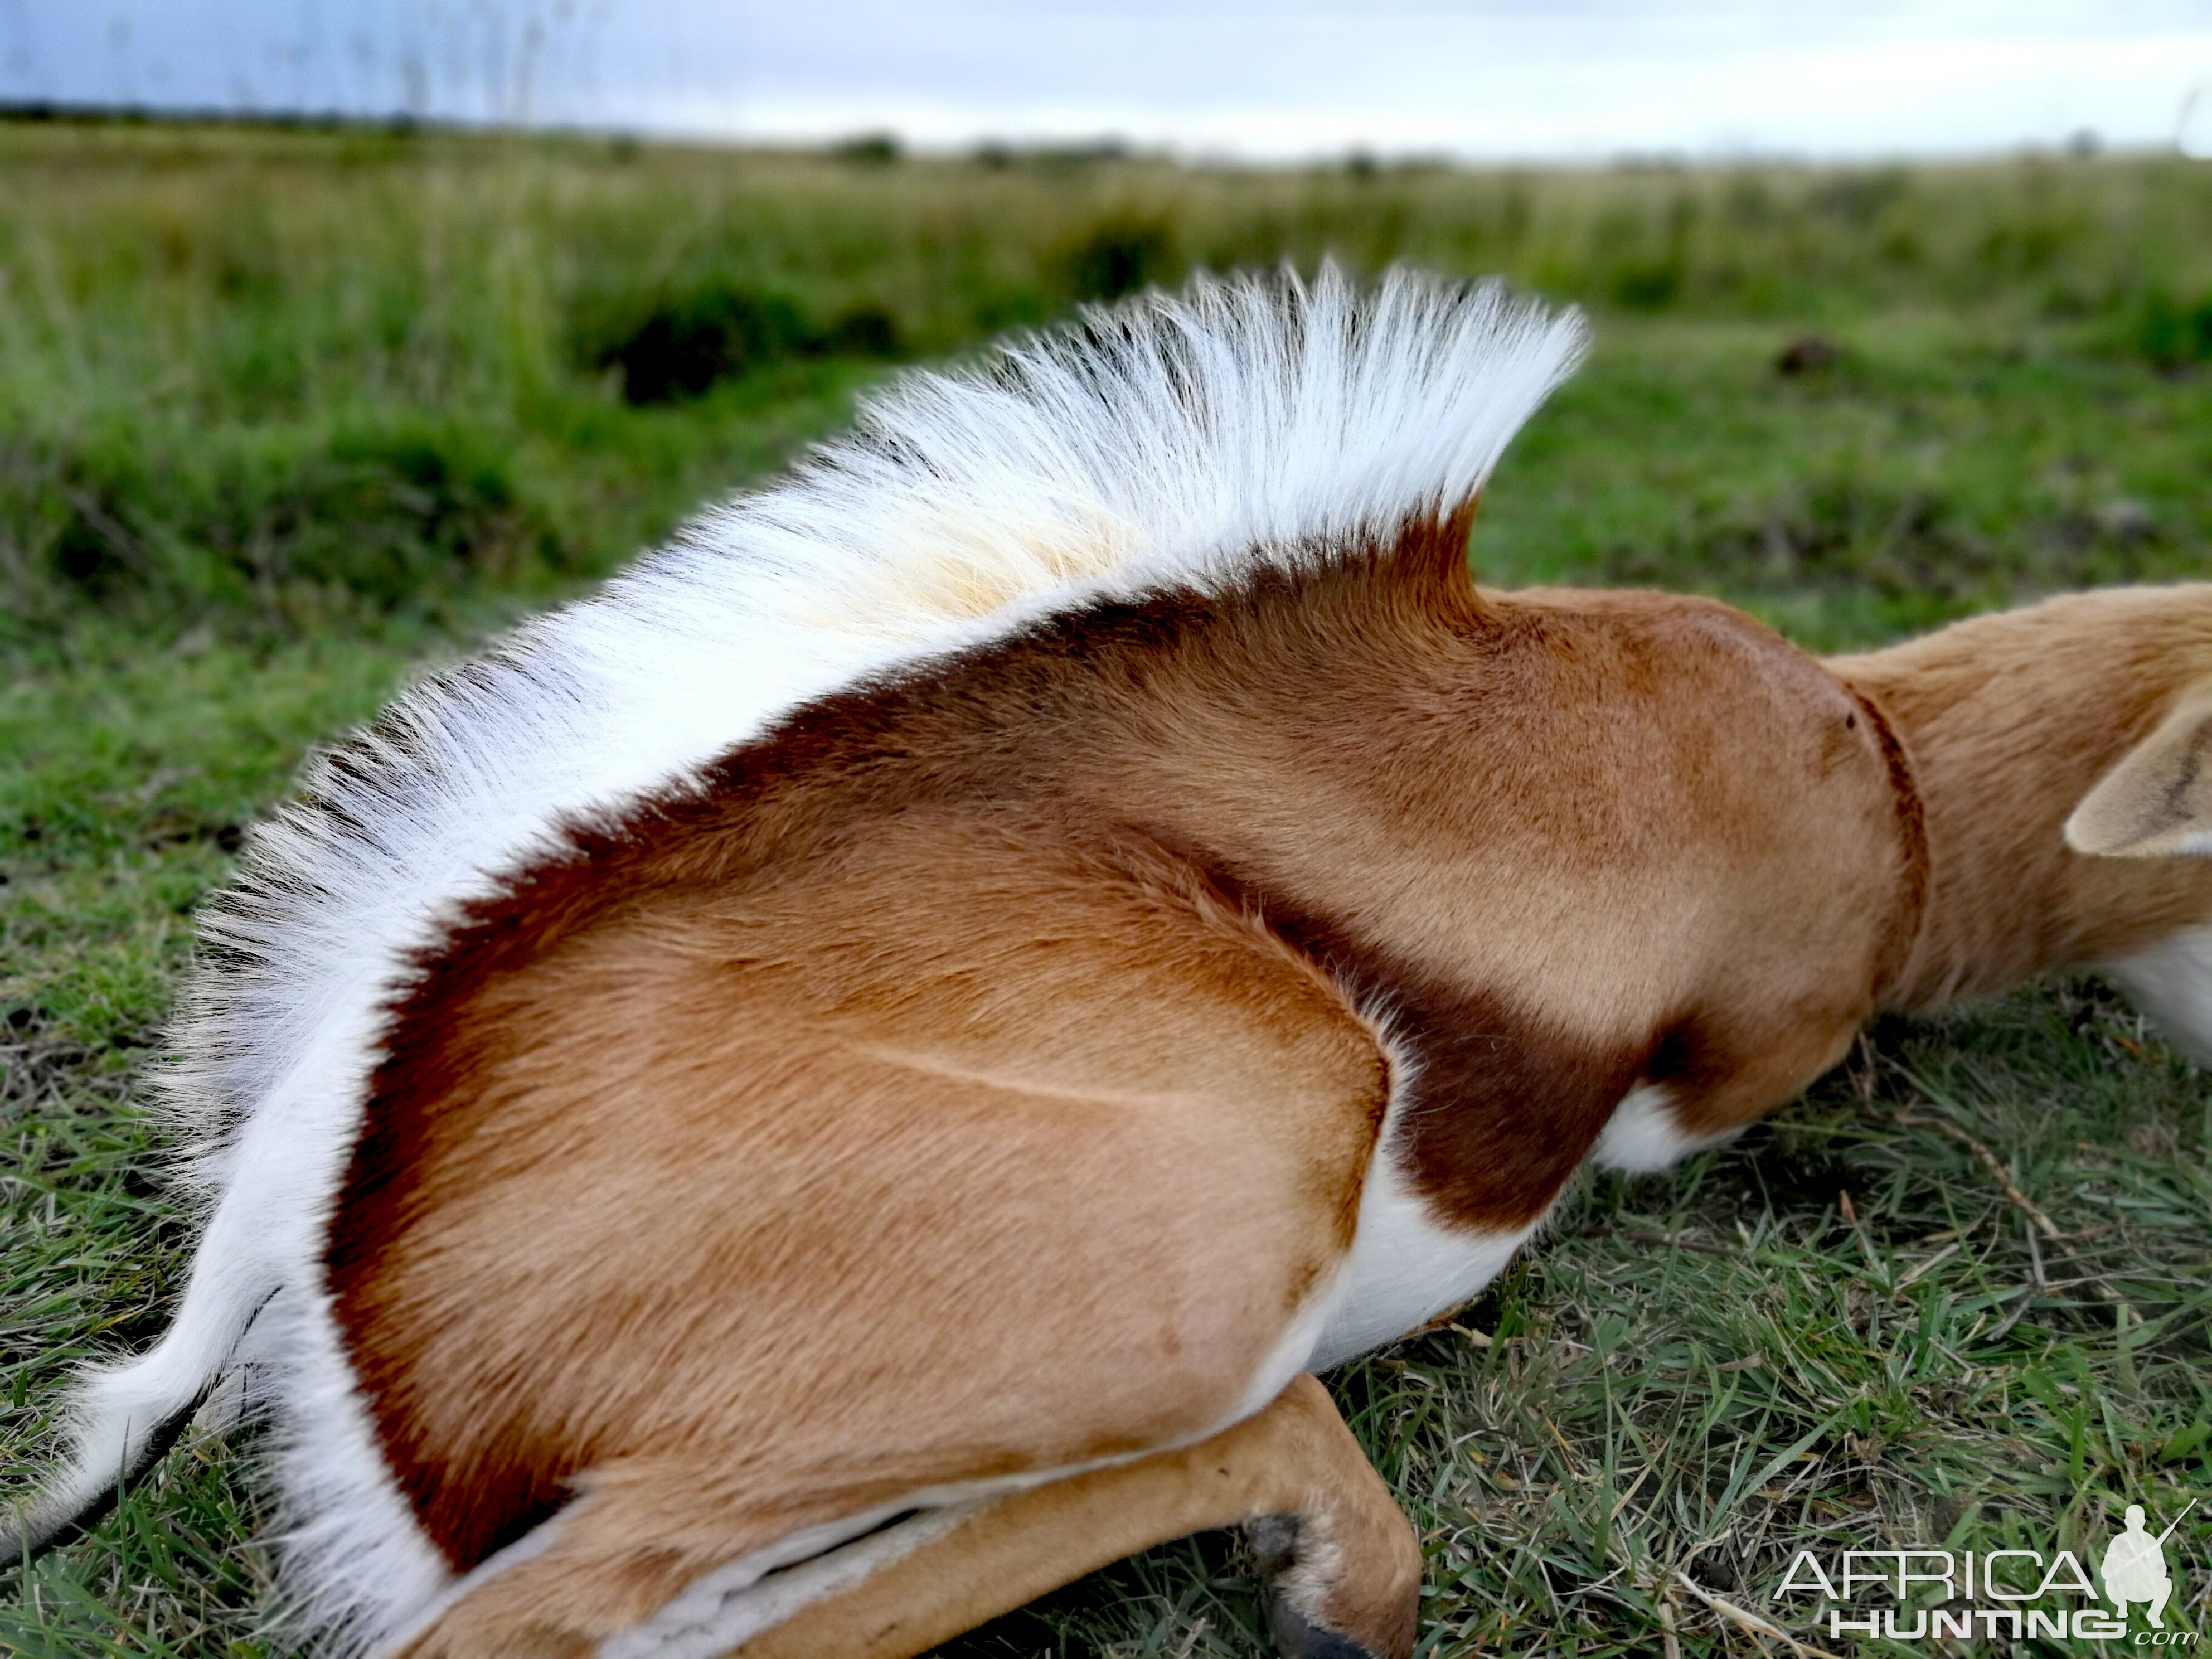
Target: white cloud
<point>1280,79</point>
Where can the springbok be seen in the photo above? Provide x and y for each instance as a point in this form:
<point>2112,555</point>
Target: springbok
<point>805,1101</point>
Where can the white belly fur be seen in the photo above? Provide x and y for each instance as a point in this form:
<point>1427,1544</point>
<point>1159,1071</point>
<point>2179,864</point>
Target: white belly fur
<point>1406,1267</point>
<point>2172,982</point>
<point>1642,1136</point>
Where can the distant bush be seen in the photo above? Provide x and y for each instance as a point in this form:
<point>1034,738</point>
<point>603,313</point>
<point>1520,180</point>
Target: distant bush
<point>1121,257</point>
<point>863,332</point>
<point>682,345</point>
<point>875,148</point>
<point>2169,333</point>
<point>1648,286</point>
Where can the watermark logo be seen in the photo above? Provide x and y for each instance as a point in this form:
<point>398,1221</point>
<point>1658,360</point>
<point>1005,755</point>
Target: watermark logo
<point>2009,1595</point>
<point>2135,1567</point>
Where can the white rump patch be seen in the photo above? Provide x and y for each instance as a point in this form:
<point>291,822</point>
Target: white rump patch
<point>1641,1135</point>
<point>1173,443</point>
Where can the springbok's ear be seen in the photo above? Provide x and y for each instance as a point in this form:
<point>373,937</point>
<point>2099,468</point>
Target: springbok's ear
<point>2157,801</point>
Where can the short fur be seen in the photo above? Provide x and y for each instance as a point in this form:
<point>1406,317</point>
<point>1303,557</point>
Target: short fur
<point>948,990</point>
<point>2012,723</point>
<point>819,918</point>
<point>1176,445</point>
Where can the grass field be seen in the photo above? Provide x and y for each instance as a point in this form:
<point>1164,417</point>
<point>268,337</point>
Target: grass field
<point>285,415</point>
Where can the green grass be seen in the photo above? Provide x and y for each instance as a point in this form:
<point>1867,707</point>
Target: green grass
<point>284,416</point>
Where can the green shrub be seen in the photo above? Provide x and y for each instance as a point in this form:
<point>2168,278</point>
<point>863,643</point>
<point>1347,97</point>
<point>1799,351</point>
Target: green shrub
<point>2173,333</point>
<point>683,346</point>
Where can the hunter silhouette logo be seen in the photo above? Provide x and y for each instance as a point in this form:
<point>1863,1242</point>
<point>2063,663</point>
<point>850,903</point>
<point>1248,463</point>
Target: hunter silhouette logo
<point>2134,1568</point>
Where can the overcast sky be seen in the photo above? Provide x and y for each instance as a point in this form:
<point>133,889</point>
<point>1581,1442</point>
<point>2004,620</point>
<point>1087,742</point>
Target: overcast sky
<point>1587,79</point>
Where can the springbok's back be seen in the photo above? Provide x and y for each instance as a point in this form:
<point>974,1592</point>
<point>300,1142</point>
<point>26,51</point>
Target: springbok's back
<point>827,1091</point>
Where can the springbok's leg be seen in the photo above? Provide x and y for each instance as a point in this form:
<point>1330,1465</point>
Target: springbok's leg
<point>1344,1570</point>
<point>875,1227</point>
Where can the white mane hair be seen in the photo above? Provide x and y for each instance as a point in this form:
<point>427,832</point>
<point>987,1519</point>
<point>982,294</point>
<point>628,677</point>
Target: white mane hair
<point>1172,442</point>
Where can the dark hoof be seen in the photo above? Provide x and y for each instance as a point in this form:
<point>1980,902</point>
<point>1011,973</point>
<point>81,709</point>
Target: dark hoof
<point>1274,1542</point>
<point>1299,1638</point>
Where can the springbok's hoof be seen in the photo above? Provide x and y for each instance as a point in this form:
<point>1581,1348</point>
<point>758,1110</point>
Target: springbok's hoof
<point>1274,1543</point>
<point>1299,1638</point>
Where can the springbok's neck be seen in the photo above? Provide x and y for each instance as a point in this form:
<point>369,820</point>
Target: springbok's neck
<point>2008,721</point>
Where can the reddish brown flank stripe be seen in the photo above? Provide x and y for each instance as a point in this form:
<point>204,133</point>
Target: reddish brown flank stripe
<point>1499,1111</point>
